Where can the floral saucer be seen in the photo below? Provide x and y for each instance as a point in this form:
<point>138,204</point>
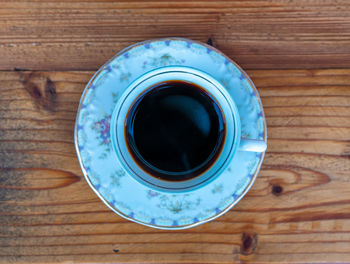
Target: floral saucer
<point>107,177</point>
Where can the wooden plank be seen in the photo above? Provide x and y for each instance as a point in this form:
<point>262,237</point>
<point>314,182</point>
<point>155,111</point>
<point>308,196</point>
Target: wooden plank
<point>297,211</point>
<point>82,35</point>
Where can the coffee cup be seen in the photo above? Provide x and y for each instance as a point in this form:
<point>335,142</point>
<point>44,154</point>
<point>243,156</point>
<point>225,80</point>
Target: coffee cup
<point>175,129</point>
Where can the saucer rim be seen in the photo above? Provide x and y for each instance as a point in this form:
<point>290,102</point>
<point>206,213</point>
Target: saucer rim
<point>86,176</point>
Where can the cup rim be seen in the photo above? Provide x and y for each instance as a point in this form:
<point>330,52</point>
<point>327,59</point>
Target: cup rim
<point>230,141</point>
<point>147,90</point>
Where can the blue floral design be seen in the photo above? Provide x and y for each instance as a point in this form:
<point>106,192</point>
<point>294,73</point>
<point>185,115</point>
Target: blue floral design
<point>104,137</point>
<point>217,189</point>
<point>164,60</point>
<point>177,204</point>
<point>151,194</point>
<point>116,177</point>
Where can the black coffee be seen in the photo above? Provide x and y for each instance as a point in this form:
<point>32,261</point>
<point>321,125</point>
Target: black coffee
<point>175,130</point>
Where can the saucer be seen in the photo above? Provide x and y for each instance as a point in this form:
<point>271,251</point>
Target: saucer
<point>104,172</point>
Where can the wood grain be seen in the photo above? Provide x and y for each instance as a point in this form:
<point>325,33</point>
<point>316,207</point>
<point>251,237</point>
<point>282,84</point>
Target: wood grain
<point>266,34</point>
<point>297,211</point>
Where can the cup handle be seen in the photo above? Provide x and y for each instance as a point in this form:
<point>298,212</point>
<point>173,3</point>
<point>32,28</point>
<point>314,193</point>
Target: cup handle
<point>252,145</point>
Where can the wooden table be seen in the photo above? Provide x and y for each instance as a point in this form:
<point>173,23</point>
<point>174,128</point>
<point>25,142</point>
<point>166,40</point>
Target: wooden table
<point>298,55</point>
